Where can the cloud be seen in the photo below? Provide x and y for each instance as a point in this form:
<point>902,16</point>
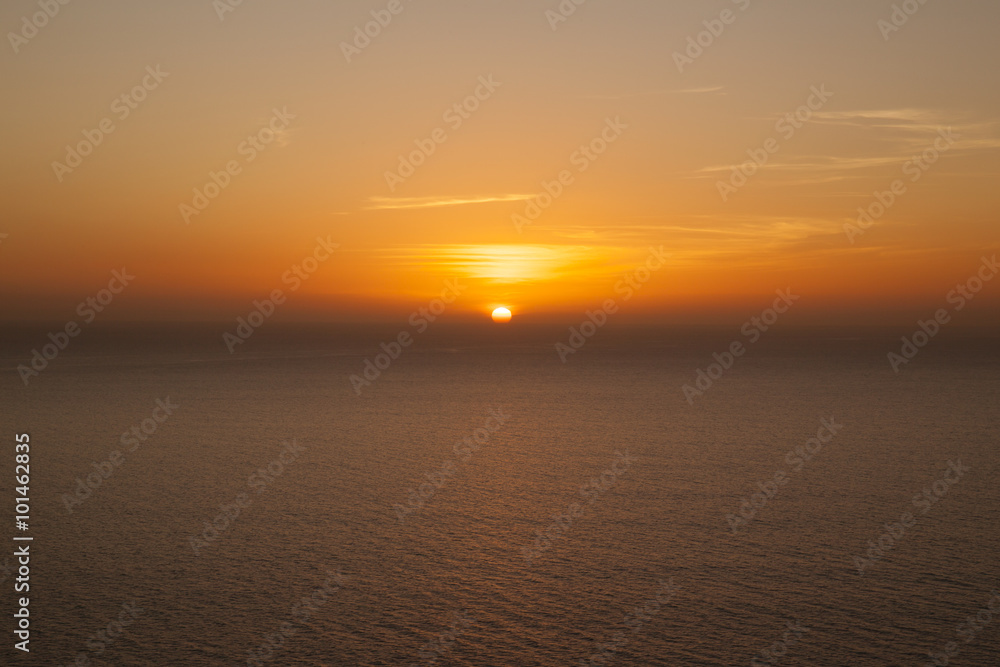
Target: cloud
<point>503,263</point>
<point>902,117</point>
<point>908,128</point>
<point>718,90</point>
<point>870,142</point>
<point>813,163</point>
<point>396,203</point>
<point>698,91</point>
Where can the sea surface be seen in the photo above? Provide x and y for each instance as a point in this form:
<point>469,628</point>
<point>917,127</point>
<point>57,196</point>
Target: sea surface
<point>635,489</point>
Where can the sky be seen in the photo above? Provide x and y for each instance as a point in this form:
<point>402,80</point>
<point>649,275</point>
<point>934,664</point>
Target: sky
<point>643,125</point>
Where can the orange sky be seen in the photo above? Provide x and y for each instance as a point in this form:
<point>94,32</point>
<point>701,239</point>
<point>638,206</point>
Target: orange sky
<point>606,75</point>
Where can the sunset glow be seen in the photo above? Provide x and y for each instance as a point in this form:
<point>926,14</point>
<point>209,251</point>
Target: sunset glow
<point>751,177</point>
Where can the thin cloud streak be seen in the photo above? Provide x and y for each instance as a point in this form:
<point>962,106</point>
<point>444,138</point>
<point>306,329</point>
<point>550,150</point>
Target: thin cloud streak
<point>392,204</point>
<point>719,90</point>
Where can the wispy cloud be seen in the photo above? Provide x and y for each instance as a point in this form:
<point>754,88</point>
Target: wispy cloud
<point>698,91</point>
<point>872,140</point>
<point>741,230</point>
<point>879,116</point>
<point>504,263</point>
<point>394,203</point>
<point>708,90</point>
<point>907,128</point>
<point>813,163</point>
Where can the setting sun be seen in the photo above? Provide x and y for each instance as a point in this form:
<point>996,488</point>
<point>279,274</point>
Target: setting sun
<point>501,315</point>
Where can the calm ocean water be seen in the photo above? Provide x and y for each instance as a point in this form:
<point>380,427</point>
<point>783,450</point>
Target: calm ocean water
<point>629,484</point>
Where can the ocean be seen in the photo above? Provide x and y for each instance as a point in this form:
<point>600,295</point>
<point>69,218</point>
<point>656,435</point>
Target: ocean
<point>480,502</point>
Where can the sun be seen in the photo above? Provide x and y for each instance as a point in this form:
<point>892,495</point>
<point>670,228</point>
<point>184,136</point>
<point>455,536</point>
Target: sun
<point>501,315</point>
